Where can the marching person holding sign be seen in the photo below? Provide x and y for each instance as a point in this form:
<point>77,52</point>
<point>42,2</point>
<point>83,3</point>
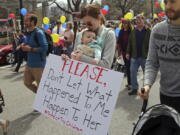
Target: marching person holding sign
<point>92,17</point>
<point>36,58</point>
<point>77,94</point>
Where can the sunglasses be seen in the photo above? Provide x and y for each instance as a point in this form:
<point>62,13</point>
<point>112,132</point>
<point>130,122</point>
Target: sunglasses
<point>88,24</point>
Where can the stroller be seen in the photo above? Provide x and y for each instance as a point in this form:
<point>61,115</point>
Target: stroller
<point>157,120</point>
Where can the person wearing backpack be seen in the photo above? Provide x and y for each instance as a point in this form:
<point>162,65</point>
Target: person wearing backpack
<point>36,53</point>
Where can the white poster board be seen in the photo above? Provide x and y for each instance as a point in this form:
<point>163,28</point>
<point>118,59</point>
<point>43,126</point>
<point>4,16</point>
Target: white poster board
<point>79,95</point>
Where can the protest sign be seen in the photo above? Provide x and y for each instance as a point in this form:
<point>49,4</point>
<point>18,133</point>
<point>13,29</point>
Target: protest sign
<point>79,95</point>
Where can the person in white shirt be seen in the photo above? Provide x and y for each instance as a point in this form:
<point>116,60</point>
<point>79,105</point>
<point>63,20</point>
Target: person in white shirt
<point>58,29</point>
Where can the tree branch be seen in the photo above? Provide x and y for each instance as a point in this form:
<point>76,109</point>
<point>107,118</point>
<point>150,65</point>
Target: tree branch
<point>91,1</point>
<point>69,5</point>
<point>77,5</point>
<point>62,8</point>
<point>73,2</point>
<point>131,4</point>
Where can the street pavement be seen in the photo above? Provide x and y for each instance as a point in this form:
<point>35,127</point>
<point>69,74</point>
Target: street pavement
<point>19,100</point>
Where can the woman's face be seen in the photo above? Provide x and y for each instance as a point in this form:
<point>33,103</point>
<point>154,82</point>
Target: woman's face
<point>125,25</point>
<point>91,23</point>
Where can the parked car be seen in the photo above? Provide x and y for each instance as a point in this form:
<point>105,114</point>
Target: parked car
<point>6,52</point>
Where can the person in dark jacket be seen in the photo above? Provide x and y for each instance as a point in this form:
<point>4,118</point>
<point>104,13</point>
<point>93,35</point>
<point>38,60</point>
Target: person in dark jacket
<point>137,48</point>
<point>21,55</point>
<point>122,43</point>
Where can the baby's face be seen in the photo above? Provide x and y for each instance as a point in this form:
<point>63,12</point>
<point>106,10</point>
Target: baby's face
<point>88,37</point>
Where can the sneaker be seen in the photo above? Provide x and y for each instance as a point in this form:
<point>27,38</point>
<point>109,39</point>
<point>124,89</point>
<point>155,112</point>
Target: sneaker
<point>15,71</point>
<point>128,86</point>
<point>35,112</point>
<point>132,92</point>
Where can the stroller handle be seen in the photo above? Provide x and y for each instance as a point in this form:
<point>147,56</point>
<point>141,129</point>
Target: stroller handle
<point>145,102</point>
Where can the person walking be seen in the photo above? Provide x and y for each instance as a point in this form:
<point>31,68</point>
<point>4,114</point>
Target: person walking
<point>122,44</point>
<point>58,48</point>
<point>137,49</point>
<point>92,17</point>
<point>69,38</point>
<point>58,29</point>
<point>21,55</point>
<point>164,56</point>
<point>36,51</point>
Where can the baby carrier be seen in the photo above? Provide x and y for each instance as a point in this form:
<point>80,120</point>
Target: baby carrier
<point>157,120</point>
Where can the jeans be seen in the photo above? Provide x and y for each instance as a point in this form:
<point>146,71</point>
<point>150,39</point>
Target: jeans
<point>135,63</point>
<point>127,65</point>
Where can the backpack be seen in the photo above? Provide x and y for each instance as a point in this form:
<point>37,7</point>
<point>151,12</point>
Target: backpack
<point>49,41</point>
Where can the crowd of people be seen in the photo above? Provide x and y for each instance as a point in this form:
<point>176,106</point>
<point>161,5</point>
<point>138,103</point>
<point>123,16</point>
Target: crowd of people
<point>138,44</point>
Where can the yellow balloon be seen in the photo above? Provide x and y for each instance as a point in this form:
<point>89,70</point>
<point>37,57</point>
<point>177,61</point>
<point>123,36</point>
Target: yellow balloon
<point>46,20</point>
<point>129,15</point>
<point>120,25</point>
<point>155,16</point>
<point>63,19</point>
<point>162,5</point>
<point>142,13</point>
<point>55,38</point>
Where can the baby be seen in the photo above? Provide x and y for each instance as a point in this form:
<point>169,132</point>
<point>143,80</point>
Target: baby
<point>91,46</point>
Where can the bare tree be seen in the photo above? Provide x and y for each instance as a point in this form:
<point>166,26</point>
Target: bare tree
<point>119,8</point>
<point>73,5</point>
<point>126,5</point>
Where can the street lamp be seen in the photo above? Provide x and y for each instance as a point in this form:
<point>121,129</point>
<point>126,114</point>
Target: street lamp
<point>152,8</point>
<point>21,16</point>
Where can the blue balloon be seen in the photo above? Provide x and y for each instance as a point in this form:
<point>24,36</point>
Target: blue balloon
<point>106,7</point>
<point>117,30</point>
<point>46,26</point>
<point>64,25</point>
<point>23,11</point>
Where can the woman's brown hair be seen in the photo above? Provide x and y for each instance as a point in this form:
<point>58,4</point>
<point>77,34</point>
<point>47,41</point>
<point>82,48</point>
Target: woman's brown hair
<point>125,21</point>
<point>93,10</point>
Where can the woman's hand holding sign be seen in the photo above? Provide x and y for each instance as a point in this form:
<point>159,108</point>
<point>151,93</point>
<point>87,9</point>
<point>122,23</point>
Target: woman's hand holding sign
<point>76,55</point>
